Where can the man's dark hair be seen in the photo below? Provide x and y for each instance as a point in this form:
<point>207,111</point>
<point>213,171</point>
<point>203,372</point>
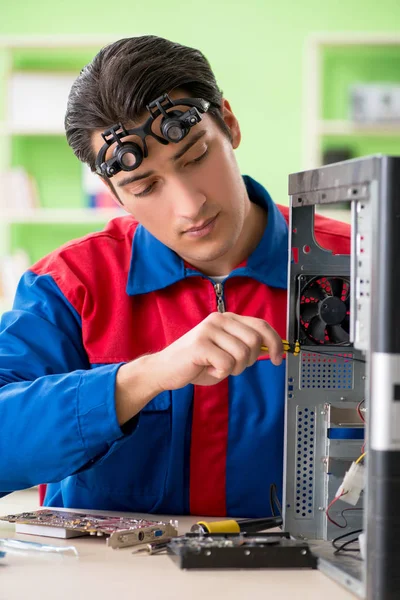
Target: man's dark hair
<point>126,76</point>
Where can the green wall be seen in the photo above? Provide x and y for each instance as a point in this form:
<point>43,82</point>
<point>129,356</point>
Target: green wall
<point>255,48</point>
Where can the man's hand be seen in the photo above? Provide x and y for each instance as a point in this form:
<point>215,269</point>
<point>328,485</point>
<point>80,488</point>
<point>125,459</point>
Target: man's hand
<point>221,345</point>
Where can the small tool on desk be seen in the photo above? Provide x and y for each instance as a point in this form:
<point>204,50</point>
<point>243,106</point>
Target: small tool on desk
<point>287,347</point>
<point>15,546</point>
<point>233,526</point>
<point>152,548</point>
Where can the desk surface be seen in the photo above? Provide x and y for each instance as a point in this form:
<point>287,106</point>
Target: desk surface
<point>101,573</point>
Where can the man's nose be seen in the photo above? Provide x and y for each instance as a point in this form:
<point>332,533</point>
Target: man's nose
<point>188,200</point>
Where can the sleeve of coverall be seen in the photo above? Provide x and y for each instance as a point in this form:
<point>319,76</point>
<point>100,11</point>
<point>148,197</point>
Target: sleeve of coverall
<point>57,415</point>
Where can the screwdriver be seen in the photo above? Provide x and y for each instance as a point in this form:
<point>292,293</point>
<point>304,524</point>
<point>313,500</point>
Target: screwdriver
<point>287,347</point>
<point>152,547</point>
<point>233,526</point>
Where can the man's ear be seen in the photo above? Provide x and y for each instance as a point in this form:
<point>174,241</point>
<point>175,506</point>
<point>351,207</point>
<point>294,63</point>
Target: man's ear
<point>231,122</point>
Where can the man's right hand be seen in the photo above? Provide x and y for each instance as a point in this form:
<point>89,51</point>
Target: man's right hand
<point>221,345</point>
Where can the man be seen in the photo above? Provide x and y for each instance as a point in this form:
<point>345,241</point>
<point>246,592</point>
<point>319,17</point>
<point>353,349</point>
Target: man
<point>132,370</point>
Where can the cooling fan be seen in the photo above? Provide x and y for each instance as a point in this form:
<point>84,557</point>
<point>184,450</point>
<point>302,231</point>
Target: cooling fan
<point>324,310</point>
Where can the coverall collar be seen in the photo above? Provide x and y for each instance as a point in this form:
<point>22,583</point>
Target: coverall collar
<point>154,266</point>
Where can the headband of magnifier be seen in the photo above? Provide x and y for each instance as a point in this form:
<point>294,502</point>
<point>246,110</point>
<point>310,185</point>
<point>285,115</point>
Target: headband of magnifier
<point>175,125</point>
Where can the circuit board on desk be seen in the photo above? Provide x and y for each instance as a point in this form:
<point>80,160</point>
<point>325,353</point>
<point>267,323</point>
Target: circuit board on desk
<point>121,531</point>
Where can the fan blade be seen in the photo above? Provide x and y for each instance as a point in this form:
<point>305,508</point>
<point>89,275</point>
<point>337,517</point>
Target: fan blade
<point>345,324</point>
<point>308,311</point>
<point>337,335</point>
<point>317,329</point>
<point>314,293</point>
<point>336,284</point>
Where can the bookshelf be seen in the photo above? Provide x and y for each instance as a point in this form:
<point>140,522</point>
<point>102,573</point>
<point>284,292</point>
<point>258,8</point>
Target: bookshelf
<point>59,215</point>
<point>332,62</point>
<point>36,74</point>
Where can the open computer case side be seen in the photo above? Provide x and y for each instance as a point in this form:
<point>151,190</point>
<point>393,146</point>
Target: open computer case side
<point>344,310</point>
<point>383,489</point>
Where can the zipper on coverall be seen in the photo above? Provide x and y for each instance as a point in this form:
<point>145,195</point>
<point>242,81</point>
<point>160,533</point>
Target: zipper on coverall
<point>219,292</point>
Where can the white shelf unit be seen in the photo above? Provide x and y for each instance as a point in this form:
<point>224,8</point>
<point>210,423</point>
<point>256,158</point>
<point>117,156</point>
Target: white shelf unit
<point>339,214</point>
<point>59,215</point>
<point>10,45</point>
<point>314,127</point>
<point>50,216</point>
<point>338,127</point>
<point>10,126</point>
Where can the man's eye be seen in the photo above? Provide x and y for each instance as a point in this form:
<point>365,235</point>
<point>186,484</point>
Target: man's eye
<point>149,189</point>
<point>145,192</point>
<point>200,158</point>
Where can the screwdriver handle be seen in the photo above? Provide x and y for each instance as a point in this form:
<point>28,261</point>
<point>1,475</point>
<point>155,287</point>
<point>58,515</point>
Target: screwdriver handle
<point>287,347</point>
<point>233,526</point>
<point>228,526</point>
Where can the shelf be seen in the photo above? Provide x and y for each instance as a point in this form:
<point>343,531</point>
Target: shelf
<point>4,130</point>
<point>338,214</point>
<point>5,305</point>
<point>58,41</point>
<point>332,127</point>
<point>333,62</point>
<point>354,39</point>
<point>47,215</point>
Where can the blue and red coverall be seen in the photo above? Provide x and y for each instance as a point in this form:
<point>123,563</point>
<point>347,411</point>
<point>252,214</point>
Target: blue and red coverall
<point>106,299</point>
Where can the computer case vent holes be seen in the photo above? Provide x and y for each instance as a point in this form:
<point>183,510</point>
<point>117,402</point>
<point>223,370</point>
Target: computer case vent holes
<point>305,459</point>
<point>326,372</point>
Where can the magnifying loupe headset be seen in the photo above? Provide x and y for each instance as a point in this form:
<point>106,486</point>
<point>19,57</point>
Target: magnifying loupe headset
<point>174,126</point>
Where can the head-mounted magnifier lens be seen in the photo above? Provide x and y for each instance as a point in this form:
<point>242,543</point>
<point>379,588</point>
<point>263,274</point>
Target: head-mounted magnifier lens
<point>175,125</point>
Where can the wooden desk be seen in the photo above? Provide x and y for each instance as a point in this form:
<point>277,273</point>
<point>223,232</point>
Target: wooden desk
<point>101,573</point>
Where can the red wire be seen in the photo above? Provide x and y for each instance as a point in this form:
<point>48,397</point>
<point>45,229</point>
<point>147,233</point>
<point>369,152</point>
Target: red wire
<point>328,509</point>
<point>362,419</point>
<point>359,411</point>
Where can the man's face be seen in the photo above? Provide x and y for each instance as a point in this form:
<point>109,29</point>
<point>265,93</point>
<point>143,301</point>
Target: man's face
<point>189,195</point>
